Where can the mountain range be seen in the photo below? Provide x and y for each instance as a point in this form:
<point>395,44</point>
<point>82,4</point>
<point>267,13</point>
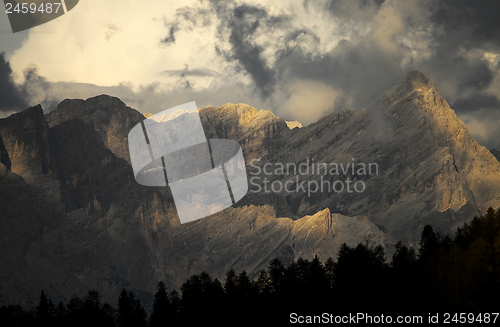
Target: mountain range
<point>73,218</point>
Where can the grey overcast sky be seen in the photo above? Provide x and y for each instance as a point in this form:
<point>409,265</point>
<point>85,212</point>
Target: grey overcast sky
<point>302,59</point>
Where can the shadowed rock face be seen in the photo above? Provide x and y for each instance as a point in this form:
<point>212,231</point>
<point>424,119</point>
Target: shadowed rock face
<point>108,116</point>
<point>25,136</point>
<point>4,156</point>
<point>82,223</point>
<point>73,218</point>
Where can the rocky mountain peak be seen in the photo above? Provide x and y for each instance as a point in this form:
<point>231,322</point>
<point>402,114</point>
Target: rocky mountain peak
<point>416,80</point>
<point>107,115</point>
<point>419,111</point>
<point>419,101</point>
<point>294,124</point>
<point>256,130</point>
<point>246,115</point>
<point>78,107</point>
<point>415,83</point>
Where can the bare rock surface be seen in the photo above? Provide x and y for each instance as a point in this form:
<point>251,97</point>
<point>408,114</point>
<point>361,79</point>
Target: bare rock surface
<point>109,116</point>
<point>26,140</point>
<point>430,170</point>
<point>247,238</point>
<point>73,218</point>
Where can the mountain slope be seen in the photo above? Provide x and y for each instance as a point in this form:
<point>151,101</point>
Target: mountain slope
<point>66,227</point>
<point>430,170</point>
<point>72,217</point>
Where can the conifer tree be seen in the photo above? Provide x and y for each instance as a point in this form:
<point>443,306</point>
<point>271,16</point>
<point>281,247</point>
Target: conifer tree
<point>45,310</point>
<point>163,311</point>
<point>130,311</point>
<point>429,243</point>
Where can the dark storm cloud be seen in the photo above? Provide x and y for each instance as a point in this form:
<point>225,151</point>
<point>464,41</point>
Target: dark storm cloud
<point>353,9</point>
<point>290,51</point>
<point>243,24</point>
<point>11,98</point>
<point>170,38</point>
<point>479,78</point>
<point>190,72</point>
<point>481,17</point>
<point>469,73</point>
<point>185,19</point>
<point>360,71</point>
<point>32,91</point>
<point>237,25</point>
<point>475,102</point>
<point>38,90</point>
<point>465,27</point>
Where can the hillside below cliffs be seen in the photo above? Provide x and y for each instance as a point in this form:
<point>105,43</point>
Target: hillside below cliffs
<point>73,218</point>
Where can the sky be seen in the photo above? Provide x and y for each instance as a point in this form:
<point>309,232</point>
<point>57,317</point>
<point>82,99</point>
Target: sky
<point>300,59</point>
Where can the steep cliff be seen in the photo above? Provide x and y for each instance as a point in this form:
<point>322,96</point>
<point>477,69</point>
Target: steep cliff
<point>26,140</point>
<point>73,218</point>
<point>108,116</point>
<point>72,215</point>
<point>426,166</point>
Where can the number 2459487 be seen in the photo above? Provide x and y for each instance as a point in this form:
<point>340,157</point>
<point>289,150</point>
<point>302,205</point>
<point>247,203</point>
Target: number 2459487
<point>470,318</point>
<point>24,8</point>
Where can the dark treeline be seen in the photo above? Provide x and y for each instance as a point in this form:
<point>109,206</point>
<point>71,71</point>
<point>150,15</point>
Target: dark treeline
<point>459,274</point>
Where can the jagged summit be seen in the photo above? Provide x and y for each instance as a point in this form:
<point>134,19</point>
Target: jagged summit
<point>110,117</point>
<point>415,80</point>
<point>246,113</point>
<point>294,124</point>
<point>79,107</point>
<point>416,102</point>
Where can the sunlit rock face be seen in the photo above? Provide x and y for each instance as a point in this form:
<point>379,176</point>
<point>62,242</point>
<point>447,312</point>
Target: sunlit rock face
<point>73,218</point>
<point>430,170</point>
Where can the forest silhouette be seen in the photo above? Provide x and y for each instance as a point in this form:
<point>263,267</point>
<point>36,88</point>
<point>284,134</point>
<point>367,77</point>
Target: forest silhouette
<point>445,274</point>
